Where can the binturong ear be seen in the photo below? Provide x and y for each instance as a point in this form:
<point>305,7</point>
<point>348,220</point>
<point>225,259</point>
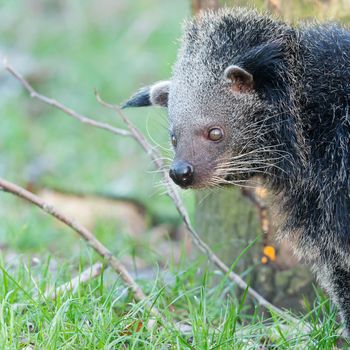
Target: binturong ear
<point>239,78</point>
<point>153,95</point>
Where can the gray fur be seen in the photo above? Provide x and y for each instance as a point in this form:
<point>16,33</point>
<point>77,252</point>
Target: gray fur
<point>290,125</point>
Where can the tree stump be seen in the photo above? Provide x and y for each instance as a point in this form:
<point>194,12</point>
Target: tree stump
<point>229,222</point>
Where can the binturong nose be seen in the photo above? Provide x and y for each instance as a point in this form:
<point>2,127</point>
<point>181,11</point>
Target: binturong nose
<point>182,173</point>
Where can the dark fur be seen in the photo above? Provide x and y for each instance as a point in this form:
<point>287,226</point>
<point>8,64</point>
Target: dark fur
<point>300,107</point>
<point>140,99</point>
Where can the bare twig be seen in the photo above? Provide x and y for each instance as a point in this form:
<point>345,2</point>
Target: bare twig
<point>170,187</point>
<point>85,276</point>
<point>54,103</point>
<point>83,232</point>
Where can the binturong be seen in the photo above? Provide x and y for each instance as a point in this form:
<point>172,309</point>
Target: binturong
<point>250,95</point>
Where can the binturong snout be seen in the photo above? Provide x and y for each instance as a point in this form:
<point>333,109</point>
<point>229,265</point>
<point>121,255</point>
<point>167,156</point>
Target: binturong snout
<point>182,173</point>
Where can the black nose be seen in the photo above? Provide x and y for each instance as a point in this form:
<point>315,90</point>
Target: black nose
<point>182,173</point>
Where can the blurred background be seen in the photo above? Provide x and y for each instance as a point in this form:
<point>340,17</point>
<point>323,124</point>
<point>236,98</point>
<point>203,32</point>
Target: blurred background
<point>66,49</point>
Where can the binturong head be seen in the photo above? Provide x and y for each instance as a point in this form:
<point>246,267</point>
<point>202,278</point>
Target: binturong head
<point>229,100</point>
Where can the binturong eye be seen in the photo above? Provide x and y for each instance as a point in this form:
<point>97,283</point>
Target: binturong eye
<point>215,134</point>
<point>173,140</point>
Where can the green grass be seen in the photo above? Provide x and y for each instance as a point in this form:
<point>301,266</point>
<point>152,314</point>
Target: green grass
<point>102,315</point>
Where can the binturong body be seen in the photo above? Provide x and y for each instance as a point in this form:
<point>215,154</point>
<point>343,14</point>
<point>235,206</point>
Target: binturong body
<point>250,95</point>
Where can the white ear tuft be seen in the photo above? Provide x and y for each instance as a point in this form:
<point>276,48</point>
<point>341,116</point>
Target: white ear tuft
<point>240,79</point>
<point>159,93</point>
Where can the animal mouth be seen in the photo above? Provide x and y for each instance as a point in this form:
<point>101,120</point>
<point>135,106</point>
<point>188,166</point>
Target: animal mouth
<point>215,180</point>
<point>231,170</point>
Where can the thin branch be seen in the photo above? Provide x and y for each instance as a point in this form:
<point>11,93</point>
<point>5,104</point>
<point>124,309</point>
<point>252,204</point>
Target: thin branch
<point>52,102</point>
<point>83,232</point>
<point>170,187</point>
<point>87,275</point>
